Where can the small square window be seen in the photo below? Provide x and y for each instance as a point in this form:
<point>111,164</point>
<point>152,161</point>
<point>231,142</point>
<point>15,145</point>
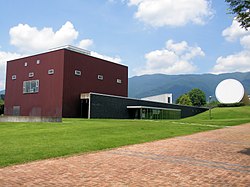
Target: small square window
<point>78,72</point>
<point>51,71</point>
<point>31,74</point>
<point>13,77</point>
<point>38,62</point>
<point>100,77</point>
<point>119,81</point>
<point>25,64</point>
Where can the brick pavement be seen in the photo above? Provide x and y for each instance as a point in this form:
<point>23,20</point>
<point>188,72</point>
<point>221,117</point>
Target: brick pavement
<point>214,158</point>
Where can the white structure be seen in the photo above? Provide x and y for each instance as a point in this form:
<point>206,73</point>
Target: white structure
<point>229,91</point>
<point>163,98</point>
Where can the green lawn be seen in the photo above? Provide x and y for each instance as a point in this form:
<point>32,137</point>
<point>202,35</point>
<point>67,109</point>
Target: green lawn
<point>24,142</point>
<point>227,116</point>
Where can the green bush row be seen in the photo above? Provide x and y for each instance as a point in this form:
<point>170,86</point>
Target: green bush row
<point>231,104</point>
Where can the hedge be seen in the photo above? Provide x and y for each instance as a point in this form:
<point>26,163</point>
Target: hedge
<point>1,109</point>
<point>231,104</point>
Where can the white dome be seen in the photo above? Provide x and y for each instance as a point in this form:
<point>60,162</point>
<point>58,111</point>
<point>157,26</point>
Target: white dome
<point>229,91</point>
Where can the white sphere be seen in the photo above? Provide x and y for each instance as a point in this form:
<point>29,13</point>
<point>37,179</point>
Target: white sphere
<point>229,91</point>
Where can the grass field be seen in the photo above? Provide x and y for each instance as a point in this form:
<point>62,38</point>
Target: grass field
<point>227,116</point>
<point>24,142</point>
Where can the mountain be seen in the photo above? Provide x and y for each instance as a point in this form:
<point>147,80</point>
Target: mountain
<point>149,85</point>
<point>2,92</point>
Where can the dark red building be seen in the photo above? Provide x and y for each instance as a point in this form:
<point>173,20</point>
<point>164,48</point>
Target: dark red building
<point>50,84</point>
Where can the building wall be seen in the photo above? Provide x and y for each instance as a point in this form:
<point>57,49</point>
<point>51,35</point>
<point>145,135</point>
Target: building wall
<point>48,100</point>
<point>103,106</point>
<point>163,98</point>
<point>59,93</point>
<point>88,81</point>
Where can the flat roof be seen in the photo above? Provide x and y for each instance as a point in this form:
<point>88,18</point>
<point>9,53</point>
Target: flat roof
<point>149,107</point>
<point>72,48</point>
<point>130,98</point>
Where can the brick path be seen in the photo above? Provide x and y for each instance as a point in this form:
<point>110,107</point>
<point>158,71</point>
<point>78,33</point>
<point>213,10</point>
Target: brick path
<point>214,158</point>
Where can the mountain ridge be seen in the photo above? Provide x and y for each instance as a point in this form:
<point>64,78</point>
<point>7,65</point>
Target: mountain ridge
<point>149,85</point>
<point>156,84</point>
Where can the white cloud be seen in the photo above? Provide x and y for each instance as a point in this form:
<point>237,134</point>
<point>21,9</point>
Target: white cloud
<point>85,44</point>
<point>108,58</point>
<point>158,13</point>
<point>245,42</point>
<point>30,39</point>
<point>234,32</point>
<point>238,62</point>
<point>4,57</point>
<point>175,58</point>
<point>134,2</point>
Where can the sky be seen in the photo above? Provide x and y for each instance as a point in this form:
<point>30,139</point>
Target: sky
<point>149,36</point>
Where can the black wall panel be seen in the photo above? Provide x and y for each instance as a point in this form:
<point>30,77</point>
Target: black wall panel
<point>104,106</point>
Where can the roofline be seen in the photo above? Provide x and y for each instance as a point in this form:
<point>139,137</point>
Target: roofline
<point>70,48</point>
<point>149,107</point>
<point>130,98</point>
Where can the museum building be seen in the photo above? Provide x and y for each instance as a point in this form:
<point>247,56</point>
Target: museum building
<point>70,82</point>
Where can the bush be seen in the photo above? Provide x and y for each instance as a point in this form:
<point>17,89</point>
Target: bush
<point>231,104</point>
<point>1,109</point>
<point>212,104</point>
<point>184,100</point>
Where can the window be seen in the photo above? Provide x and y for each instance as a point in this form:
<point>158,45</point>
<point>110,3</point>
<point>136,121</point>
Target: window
<point>31,86</point>
<point>13,77</point>
<point>51,71</point>
<point>31,74</point>
<point>38,62</point>
<point>78,72</point>
<point>25,64</point>
<point>119,81</point>
<point>169,99</point>
<point>100,77</point>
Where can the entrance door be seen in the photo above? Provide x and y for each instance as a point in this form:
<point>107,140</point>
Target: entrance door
<point>16,110</point>
<point>85,108</point>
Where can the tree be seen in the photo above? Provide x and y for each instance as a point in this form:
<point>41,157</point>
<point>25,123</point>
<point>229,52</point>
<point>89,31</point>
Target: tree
<point>197,97</point>
<point>184,100</point>
<point>242,10</point>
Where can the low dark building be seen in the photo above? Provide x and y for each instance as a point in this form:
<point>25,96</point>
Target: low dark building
<point>94,105</point>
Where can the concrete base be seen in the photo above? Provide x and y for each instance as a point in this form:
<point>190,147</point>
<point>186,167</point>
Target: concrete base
<point>29,119</point>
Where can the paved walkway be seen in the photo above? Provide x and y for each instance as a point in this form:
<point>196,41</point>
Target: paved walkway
<point>214,158</point>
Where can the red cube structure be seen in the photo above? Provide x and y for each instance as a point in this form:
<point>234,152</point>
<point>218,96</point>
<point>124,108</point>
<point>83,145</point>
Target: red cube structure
<point>49,84</point>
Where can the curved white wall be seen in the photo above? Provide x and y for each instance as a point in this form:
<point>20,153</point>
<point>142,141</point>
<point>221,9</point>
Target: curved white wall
<point>229,91</point>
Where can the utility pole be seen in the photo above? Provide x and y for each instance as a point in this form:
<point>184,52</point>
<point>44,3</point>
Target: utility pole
<point>209,101</point>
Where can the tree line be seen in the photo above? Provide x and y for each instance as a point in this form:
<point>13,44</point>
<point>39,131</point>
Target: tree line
<point>195,97</point>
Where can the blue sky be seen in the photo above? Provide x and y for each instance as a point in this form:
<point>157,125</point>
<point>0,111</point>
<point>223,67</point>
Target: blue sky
<point>149,36</point>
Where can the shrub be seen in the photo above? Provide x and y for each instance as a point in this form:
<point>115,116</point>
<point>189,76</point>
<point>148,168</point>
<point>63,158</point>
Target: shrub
<point>231,104</point>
